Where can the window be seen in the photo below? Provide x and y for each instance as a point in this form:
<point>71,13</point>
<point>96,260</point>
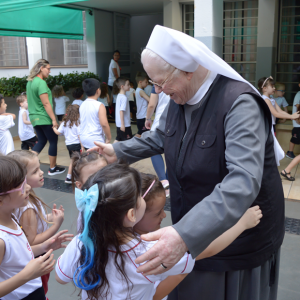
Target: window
<point>66,52</point>
<point>188,19</point>
<point>240,37</point>
<point>13,52</point>
<point>288,50</point>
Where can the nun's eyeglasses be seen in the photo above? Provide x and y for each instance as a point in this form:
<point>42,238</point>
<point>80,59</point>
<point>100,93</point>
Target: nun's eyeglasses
<point>161,85</point>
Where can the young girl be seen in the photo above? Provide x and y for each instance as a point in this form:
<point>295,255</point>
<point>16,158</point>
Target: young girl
<point>32,216</point>
<point>154,195</point>
<point>60,99</point>
<point>101,259</point>
<point>104,97</point>
<point>70,128</point>
<point>267,88</point>
<point>19,271</point>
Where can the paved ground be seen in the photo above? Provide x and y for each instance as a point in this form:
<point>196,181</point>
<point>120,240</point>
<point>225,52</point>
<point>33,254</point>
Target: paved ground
<point>289,288</point>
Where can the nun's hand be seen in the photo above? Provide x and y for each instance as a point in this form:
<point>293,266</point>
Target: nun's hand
<point>169,249</point>
<point>106,150</point>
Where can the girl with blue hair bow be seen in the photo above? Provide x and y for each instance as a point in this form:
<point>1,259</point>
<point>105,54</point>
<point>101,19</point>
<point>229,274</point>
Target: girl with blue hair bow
<point>101,259</point>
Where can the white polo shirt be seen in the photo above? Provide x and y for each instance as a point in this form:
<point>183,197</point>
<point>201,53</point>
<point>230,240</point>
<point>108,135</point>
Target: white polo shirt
<point>71,134</point>
<point>6,140</point>
<point>141,105</point>
<point>17,255</point>
<point>142,288</point>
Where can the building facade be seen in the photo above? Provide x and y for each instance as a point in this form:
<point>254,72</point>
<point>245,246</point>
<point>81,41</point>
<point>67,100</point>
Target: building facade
<point>257,38</point>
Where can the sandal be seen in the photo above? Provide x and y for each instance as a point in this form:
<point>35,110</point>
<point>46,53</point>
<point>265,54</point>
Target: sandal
<point>285,174</point>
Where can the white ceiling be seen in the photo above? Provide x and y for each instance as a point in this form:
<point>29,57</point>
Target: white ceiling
<point>131,7</point>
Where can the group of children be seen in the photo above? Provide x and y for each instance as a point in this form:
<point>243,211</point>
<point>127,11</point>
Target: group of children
<point>116,205</point>
<point>273,94</point>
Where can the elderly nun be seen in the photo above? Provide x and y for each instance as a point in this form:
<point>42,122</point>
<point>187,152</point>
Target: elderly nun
<point>221,160</point>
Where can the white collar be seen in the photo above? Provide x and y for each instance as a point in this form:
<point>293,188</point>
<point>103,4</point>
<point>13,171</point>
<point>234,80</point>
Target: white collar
<point>203,89</point>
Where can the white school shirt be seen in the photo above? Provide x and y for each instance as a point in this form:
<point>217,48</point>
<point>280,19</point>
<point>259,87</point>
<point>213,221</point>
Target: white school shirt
<point>163,100</point>
<point>129,94</point>
<point>104,100</point>
<point>60,105</point>
<point>273,103</point>
<point>111,76</point>
<point>25,131</point>
<point>71,134</point>
<point>42,225</point>
<point>281,102</point>
<point>6,140</point>
<point>143,287</point>
<point>141,105</point>
<point>90,128</point>
<point>296,101</point>
<point>17,255</point>
<point>122,104</point>
<point>77,102</point>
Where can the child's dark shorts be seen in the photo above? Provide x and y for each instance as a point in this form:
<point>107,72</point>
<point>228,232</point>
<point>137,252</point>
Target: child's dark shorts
<point>140,123</point>
<point>123,136</point>
<point>295,136</point>
<point>29,143</point>
<point>73,148</point>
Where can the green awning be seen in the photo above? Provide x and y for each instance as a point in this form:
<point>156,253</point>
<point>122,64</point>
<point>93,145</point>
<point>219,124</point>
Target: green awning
<point>43,22</point>
<point>12,5</point>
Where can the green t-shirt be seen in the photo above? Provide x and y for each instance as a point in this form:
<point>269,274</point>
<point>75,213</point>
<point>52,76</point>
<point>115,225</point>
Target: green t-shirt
<point>37,112</point>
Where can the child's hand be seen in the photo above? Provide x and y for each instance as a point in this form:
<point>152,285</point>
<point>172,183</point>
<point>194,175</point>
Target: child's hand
<point>122,128</point>
<point>295,115</point>
<point>148,124</point>
<point>56,242</point>
<point>39,266</point>
<point>251,217</point>
<point>60,207</point>
<point>58,216</point>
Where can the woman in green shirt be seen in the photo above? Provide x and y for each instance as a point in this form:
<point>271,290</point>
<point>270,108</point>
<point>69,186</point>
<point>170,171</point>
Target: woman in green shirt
<point>41,113</point>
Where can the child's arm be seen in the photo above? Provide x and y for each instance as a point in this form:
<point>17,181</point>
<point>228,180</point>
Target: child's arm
<point>108,100</point>
<point>144,95</point>
<point>104,123</point>
<point>56,131</point>
<point>24,117</point>
<point>167,286</point>
<point>54,243</point>
<point>34,269</point>
<point>122,128</point>
<point>29,222</point>
<point>250,219</point>
<point>150,110</point>
<point>9,114</point>
<point>281,114</point>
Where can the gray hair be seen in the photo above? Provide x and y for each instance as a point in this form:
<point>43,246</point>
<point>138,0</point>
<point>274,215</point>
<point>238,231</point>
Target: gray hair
<point>36,69</point>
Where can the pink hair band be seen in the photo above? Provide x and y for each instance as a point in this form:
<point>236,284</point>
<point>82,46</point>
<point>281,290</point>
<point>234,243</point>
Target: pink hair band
<point>149,189</point>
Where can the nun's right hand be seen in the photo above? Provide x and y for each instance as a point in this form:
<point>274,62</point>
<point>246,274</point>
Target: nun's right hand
<point>106,150</point>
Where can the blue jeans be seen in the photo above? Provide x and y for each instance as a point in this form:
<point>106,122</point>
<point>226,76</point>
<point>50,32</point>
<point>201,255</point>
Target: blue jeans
<point>159,167</point>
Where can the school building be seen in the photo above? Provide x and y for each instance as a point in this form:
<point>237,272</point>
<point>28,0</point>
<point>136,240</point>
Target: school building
<point>257,38</point>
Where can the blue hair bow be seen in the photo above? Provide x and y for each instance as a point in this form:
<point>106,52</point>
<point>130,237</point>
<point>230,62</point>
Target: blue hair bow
<point>86,202</point>
<point>87,199</point>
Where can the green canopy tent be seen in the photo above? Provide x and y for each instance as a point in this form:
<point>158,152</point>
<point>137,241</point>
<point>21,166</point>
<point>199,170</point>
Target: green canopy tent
<point>12,5</point>
<point>43,22</point>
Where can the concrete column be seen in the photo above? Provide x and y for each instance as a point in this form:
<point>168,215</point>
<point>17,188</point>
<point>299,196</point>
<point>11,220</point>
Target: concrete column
<point>266,38</point>
<point>91,41</point>
<point>34,47</point>
<point>209,24</point>
<point>173,14</point>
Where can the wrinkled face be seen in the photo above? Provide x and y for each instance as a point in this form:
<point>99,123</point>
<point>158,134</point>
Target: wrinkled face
<point>153,215</point>
<point>3,106</point>
<point>35,176</point>
<point>45,71</point>
<point>177,85</point>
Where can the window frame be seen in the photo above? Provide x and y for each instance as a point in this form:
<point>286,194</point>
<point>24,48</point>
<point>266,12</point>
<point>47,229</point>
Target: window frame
<point>26,57</point>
